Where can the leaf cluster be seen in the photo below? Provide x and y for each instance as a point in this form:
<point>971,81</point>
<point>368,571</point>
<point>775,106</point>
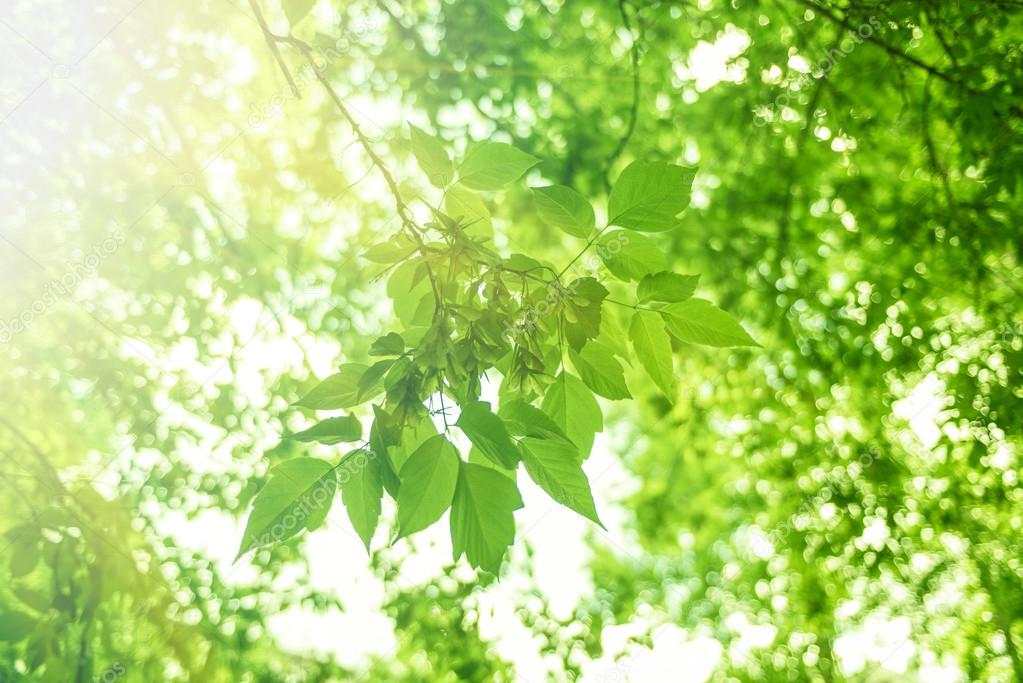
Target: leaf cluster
<point>468,315</point>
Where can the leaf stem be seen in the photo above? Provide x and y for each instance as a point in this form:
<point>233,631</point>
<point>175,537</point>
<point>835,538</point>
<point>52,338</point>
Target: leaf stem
<point>632,306</point>
<point>584,249</point>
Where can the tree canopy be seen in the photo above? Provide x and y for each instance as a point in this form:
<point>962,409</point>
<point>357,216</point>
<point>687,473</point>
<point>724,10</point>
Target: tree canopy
<point>505,341</point>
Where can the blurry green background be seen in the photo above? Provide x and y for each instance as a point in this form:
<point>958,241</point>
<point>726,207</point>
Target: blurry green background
<point>180,249</point>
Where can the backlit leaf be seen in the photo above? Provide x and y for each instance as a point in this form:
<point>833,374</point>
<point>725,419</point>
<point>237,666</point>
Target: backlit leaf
<point>524,419</point>
<point>482,516</point>
<point>296,10</point>
<point>555,467</point>
<point>666,286</point>
<point>600,371</point>
<point>362,491</point>
<point>564,208</point>
<point>630,256</point>
<point>488,433</point>
<point>649,195</point>
<point>698,321</point>
<point>431,157</point>
<point>297,496</point>
<point>653,348</point>
<point>476,457</point>
<point>391,344</point>
<point>393,251</point>
<point>339,391</point>
<point>331,431</point>
<point>583,303</point>
<point>572,406</point>
<point>428,481</point>
<point>470,211</point>
<point>492,165</point>
<point>412,437</point>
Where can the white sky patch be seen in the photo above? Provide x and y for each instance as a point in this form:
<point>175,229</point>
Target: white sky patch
<point>798,63</point>
<point>751,636</point>
<point>676,656</point>
<point>879,642</point>
<point>339,564</point>
<point>922,409</point>
<point>711,63</point>
<point>943,669</point>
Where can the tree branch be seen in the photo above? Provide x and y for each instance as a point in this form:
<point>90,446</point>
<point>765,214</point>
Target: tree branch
<point>404,213</point>
<point>273,48</point>
<point>887,47</point>
<point>634,108</point>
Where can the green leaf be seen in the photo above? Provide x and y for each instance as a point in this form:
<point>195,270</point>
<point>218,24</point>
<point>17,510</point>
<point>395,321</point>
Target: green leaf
<point>572,406</point>
<point>492,165</point>
<point>14,625</point>
<point>409,288</point>
<point>585,297</point>
<point>24,553</point>
<point>431,157</point>
<point>482,516</point>
<point>428,482</point>
<point>600,371</point>
<point>630,257</point>
<point>667,287</point>
<point>412,437</point>
<point>339,391</point>
<point>391,344</point>
<point>521,262</point>
<point>466,206</point>
<point>296,10</point>
<point>554,466</point>
<point>384,434</point>
<point>698,321</point>
<point>362,491</point>
<point>297,496</point>
<point>488,433</point>
<point>331,431</point>
<point>405,278</point>
<point>587,291</point>
<point>649,195</point>
<point>390,252</point>
<point>524,419</point>
<point>565,208</point>
<point>614,336</point>
<point>37,600</point>
<point>371,380</point>
<point>653,348</point>
<point>398,373</point>
<point>476,457</point>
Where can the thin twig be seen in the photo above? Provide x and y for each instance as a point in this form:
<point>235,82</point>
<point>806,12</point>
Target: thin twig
<point>404,213</point>
<point>634,108</point>
<point>582,251</point>
<point>273,48</point>
<point>890,49</point>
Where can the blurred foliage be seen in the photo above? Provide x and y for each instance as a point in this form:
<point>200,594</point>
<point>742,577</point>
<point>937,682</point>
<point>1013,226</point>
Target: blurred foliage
<point>857,206</point>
